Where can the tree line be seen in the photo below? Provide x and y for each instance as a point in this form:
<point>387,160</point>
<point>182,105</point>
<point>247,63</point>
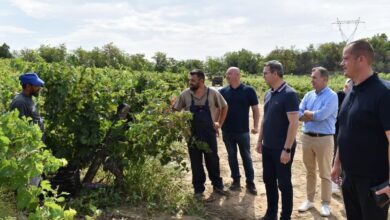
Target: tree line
<point>297,62</point>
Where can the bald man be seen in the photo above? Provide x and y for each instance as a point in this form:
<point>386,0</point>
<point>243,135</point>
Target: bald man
<point>364,135</point>
<point>235,130</point>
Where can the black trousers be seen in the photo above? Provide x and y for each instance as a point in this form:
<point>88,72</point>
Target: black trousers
<point>359,204</point>
<point>277,175</point>
<point>212,166</point>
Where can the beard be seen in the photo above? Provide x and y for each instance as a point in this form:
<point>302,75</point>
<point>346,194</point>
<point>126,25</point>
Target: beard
<point>35,94</point>
<point>194,87</point>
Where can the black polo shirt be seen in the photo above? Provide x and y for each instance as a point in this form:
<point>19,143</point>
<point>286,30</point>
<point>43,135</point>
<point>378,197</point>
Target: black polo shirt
<point>275,123</point>
<point>239,100</point>
<point>364,117</point>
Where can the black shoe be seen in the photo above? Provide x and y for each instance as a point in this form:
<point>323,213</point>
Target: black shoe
<point>222,191</point>
<point>199,196</point>
<point>251,188</point>
<point>267,218</point>
<point>235,186</point>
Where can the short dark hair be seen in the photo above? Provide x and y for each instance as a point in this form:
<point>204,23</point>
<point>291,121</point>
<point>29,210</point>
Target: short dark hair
<point>323,71</point>
<point>362,48</point>
<point>275,66</point>
<point>199,73</point>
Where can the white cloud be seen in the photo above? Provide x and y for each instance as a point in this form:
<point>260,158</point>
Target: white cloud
<point>34,8</point>
<point>4,13</point>
<point>196,29</point>
<point>14,30</point>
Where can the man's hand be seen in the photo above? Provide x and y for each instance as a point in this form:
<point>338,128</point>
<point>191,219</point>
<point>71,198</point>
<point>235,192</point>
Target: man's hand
<point>336,174</point>
<point>217,126</point>
<point>255,130</point>
<point>285,157</point>
<point>307,116</point>
<point>259,147</point>
<point>384,190</point>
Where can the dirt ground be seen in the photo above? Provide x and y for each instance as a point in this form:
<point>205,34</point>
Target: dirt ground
<point>243,205</point>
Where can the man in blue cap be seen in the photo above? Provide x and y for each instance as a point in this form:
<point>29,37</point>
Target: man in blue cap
<point>23,101</point>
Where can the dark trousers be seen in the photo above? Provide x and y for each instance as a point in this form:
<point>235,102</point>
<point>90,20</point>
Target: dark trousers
<point>277,175</point>
<point>231,141</point>
<point>359,204</point>
<point>212,165</point>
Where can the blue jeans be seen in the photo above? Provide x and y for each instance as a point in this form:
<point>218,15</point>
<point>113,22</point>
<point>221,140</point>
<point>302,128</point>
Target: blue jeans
<point>243,141</point>
<point>277,175</point>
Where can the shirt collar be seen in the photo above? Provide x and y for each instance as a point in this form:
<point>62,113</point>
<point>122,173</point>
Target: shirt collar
<point>281,87</point>
<point>239,87</point>
<point>322,91</point>
<point>366,82</point>
<point>205,92</point>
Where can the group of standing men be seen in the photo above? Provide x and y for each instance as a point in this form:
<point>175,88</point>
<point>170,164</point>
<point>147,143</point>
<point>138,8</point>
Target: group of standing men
<point>362,156</point>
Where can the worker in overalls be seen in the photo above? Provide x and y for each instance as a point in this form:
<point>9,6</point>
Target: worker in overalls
<point>209,110</point>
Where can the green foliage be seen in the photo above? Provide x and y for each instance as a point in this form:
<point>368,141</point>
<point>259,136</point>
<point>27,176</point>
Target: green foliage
<point>161,62</point>
<point>215,66</point>
<point>298,62</point>
<point>7,203</point>
<point>30,55</point>
<point>80,107</point>
<point>9,86</point>
<point>160,188</point>
<point>4,51</point>
<point>286,57</point>
<point>23,156</point>
<point>91,202</point>
<point>244,59</point>
<point>53,54</point>
<point>381,45</point>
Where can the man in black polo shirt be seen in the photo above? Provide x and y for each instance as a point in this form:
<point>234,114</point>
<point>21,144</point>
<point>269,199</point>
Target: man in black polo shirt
<point>364,134</point>
<point>277,140</point>
<point>235,130</point>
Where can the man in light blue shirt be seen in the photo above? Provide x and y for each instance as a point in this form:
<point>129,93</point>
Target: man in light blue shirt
<point>318,111</point>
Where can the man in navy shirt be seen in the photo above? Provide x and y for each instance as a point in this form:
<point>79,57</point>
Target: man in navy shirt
<point>277,140</point>
<point>364,135</point>
<point>318,111</point>
<point>235,130</point>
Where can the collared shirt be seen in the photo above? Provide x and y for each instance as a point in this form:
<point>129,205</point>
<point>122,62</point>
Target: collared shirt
<point>239,100</point>
<point>216,101</point>
<point>364,118</point>
<point>277,103</point>
<point>324,105</point>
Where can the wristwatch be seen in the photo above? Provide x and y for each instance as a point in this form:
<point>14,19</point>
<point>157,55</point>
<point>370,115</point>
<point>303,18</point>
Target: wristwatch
<point>288,150</point>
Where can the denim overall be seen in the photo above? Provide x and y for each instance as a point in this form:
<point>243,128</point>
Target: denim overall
<point>202,126</point>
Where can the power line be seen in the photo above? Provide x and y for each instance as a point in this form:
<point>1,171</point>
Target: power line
<point>348,22</point>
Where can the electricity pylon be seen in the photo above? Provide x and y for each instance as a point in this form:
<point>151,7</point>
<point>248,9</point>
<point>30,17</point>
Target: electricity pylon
<point>343,35</point>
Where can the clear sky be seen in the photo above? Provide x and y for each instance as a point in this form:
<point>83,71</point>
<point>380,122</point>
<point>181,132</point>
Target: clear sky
<point>187,29</point>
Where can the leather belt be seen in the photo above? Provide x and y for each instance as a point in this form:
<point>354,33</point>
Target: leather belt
<point>316,134</point>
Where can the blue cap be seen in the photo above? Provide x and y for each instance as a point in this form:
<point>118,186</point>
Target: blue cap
<point>31,78</point>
